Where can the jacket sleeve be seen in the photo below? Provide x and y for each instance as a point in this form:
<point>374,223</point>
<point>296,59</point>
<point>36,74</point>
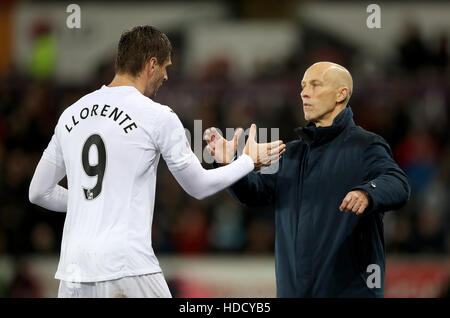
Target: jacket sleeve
<point>255,189</point>
<point>387,186</point>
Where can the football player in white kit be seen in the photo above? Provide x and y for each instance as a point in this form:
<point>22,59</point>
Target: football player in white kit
<point>108,144</point>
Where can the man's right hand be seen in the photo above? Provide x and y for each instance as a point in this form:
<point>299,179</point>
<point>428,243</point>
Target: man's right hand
<point>221,149</point>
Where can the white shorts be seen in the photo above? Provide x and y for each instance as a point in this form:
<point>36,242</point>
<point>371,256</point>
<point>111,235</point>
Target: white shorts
<point>142,286</point>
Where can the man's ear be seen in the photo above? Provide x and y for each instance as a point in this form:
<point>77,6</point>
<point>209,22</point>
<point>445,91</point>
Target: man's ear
<point>151,64</point>
<point>342,95</point>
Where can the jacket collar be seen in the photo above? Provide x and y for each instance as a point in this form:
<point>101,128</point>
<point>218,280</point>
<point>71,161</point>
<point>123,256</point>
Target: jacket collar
<point>313,135</point>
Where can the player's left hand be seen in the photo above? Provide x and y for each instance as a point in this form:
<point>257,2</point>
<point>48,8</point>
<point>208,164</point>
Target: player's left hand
<point>355,201</point>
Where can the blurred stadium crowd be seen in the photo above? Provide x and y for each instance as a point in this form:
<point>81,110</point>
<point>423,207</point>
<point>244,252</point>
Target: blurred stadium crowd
<point>406,101</point>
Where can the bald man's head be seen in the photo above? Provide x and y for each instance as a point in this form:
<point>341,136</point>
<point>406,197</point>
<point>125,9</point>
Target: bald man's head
<point>326,90</point>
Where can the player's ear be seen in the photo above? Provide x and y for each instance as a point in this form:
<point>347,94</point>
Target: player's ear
<point>150,65</point>
<point>153,61</point>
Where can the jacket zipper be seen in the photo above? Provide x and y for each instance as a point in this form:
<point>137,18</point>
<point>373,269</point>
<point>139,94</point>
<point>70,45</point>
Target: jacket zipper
<point>300,176</point>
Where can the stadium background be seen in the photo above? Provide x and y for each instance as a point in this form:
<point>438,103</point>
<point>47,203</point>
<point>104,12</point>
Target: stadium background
<point>234,63</point>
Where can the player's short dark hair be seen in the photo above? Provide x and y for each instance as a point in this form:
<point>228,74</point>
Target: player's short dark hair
<point>138,45</point>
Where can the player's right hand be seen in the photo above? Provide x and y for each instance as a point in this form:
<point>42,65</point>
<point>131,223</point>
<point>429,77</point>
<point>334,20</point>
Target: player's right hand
<point>221,149</point>
<point>263,154</point>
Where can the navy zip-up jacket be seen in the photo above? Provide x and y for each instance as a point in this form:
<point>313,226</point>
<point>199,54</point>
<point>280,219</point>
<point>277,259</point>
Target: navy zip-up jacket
<point>319,250</point>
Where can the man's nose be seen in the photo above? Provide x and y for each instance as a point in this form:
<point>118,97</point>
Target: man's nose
<point>305,93</point>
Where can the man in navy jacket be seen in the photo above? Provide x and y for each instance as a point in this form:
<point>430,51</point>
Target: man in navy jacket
<point>330,194</point>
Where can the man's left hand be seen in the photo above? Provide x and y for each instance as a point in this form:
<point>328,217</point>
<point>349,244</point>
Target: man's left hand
<point>355,201</point>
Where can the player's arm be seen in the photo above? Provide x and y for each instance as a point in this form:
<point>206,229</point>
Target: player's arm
<point>44,189</point>
<point>201,183</point>
<point>187,170</point>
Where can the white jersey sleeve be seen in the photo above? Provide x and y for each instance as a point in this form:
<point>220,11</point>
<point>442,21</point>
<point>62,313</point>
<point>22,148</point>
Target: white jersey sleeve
<point>185,166</point>
<point>172,142</point>
<point>44,189</point>
<point>201,183</point>
<point>53,152</point>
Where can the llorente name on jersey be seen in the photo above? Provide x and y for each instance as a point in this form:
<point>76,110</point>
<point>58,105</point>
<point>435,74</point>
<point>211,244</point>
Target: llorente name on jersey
<point>115,114</point>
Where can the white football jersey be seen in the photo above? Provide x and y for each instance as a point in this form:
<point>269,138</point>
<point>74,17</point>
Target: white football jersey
<point>110,143</point>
